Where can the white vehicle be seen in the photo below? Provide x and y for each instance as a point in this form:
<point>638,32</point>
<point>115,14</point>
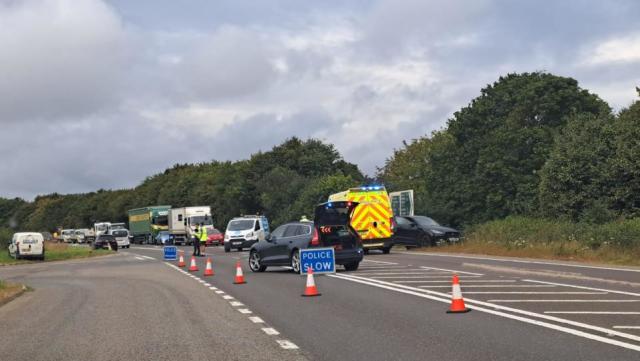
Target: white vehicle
<point>242,232</point>
<point>101,228</point>
<point>115,226</point>
<point>67,235</point>
<point>122,237</point>
<point>84,235</point>
<point>27,245</point>
<point>182,222</point>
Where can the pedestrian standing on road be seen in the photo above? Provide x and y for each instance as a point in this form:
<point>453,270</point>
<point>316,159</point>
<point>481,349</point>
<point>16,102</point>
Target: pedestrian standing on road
<point>195,238</point>
<point>203,237</point>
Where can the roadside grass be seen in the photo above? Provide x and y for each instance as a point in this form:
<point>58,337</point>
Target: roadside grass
<point>57,252</point>
<point>9,290</point>
<point>612,243</point>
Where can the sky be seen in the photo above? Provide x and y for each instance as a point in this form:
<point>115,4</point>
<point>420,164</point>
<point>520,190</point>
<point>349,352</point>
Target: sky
<point>103,93</point>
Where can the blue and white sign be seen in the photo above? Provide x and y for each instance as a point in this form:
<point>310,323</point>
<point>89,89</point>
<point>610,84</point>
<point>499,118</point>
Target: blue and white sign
<point>322,260</point>
<point>170,253</point>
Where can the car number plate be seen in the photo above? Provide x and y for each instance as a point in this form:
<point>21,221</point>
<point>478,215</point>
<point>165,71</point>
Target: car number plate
<point>236,243</point>
<point>453,239</point>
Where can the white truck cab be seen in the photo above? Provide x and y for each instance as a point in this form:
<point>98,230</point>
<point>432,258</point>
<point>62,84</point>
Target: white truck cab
<point>242,232</point>
<point>27,245</point>
<point>101,228</point>
<point>183,221</point>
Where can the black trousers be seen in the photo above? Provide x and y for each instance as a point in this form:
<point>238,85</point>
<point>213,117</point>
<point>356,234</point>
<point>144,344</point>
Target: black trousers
<point>196,247</point>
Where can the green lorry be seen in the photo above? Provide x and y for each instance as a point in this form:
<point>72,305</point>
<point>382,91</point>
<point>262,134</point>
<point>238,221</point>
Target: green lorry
<point>146,222</point>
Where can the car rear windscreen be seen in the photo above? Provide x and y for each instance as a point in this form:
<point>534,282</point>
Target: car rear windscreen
<point>120,233</point>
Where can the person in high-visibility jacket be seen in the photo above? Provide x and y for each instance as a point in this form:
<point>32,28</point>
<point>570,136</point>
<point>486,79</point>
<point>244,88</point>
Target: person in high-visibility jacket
<point>203,236</point>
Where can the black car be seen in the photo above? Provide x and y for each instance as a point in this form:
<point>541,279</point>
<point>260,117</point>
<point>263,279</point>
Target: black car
<point>330,228</point>
<point>105,241</point>
<point>421,231</point>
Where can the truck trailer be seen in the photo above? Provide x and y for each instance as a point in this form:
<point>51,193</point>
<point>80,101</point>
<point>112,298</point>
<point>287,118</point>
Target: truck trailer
<point>182,222</point>
<point>146,222</point>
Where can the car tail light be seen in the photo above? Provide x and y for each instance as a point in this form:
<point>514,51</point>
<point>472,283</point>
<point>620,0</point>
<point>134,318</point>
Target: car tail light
<point>315,241</point>
<point>392,222</point>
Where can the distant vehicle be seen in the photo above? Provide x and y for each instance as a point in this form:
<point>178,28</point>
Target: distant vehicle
<point>85,235</point>
<point>331,228</point>
<point>373,218</point>
<point>146,222</point>
<point>101,228</point>
<point>115,226</point>
<point>243,232</point>
<point>214,237</point>
<point>421,231</point>
<point>122,237</point>
<point>105,241</point>
<point>66,234</point>
<point>27,245</point>
<point>164,238</point>
<point>183,221</point>
<point>48,237</point>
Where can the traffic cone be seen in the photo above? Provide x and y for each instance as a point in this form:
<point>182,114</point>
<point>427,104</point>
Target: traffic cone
<point>208,271</point>
<point>193,267</point>
<point>457,303</point>
<point>239,276</point>
<point>181,260</point>
<point>310,290</point>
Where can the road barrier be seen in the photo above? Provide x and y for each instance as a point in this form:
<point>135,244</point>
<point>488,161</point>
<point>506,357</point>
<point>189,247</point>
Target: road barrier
<point>208,270</point>
<point>239,280</point>
<point>457,303</point>
<point>310,290</point>
<point>193,267</point>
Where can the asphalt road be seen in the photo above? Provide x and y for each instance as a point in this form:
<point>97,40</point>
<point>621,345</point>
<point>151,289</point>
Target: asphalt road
<point>125,307</point>
<point>394,308</point>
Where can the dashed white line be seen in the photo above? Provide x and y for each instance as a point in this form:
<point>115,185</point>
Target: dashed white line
<point>270,331</point>
<point>245,311</point>
<point>236,303</point>
<point>206,284</point>
<point>287,345</point>
<point>220,292</point>
<point>227,297</point>
<point>256,319</point>
<point>213,288</point>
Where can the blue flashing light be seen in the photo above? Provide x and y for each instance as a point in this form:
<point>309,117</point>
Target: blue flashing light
<point>329,205</point>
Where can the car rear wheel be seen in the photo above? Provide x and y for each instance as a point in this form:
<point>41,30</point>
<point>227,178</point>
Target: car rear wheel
<point>254,262</point>
<point>295,261</point>
<point>352,266</point>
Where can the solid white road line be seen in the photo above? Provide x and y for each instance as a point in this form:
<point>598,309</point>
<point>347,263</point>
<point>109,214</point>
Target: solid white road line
<point>493,309</point>
<point>256,319</point>
<point>270,331</point>
<point>147,257</point>
<point>569,301</point>
<point>627,327</point>
<point>465,281</point>
<point>139,258</point>
<point>408,272</point>
<point>591,313</point>
<point>584,288</point>
<point>245,311</point>
<point>453,271</point>
<point>287,345</point>
<point>485,286</point>
<point>236,303</point>
<point>523,261</point>
<point>380,262</point>
<point>531,293</point>
<point>409,277</point>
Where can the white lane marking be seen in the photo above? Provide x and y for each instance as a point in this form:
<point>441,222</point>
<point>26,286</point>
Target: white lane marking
<point>486,286</point>
<point>139,258</point>
<point>466,281</point>
<point>220,292</point>
<point>584,288</point>
<point>408,272</point>
<point>428,277</point>
<point>523,261</point>
<point>256,319</point>
<point>245,311</point>
<point>380,262</point>
<point>453,271</point>
<point>591,313</point>
<point>531,293</point>
<point>566,301</point>
<point>213,288</point>
<point>202,281</point>
<point>270,331</point>
<point>236,303</point>
<point>627,327</point>
<point>147,257</point>
<point>287,345</point>
<point>471,303</point>
<point>227,297</point>
<point>206,284</point>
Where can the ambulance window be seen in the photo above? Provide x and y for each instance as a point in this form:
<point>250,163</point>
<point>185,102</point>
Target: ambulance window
<point>257,227</point>
<point>179,217</point>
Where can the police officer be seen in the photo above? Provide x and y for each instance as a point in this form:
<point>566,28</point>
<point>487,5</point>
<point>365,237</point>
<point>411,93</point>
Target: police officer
<point>203,236</point>
<point>195,238</point>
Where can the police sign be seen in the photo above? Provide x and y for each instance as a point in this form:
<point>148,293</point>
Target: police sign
<point>170,253</point>
<point>322,260</point>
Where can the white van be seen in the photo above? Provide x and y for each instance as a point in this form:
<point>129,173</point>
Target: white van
<point>243,232</point>
<point>27,245</point>
<point>122,237</point>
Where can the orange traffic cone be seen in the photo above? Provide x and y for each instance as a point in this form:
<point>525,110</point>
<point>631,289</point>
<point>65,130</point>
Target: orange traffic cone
<point>181,260</point>
<point>208,271</point>
<point>193,267</point>
<point>239,276</point>
<point>310,290</point>
<point>457,303</point>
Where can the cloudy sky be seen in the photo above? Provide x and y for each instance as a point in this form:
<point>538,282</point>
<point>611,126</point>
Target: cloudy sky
<point>102,93</point>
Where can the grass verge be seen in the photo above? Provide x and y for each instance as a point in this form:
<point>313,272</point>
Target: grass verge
<point>9,291</point>
<point>610,243</point>
<point>57,252</point>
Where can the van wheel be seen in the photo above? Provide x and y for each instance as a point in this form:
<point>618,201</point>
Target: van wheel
<point>352,266</point>
<point>254,262</point>
<point>227,249</point>
<point>295,261</point>
<point>366,251</point>
<point>240,249</point>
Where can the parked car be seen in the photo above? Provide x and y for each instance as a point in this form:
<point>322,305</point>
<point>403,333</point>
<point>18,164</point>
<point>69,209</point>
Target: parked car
<point>27,245</point>
<point>164,238</point>
<point>330,228</point>
<point>47,236</point>
<point>105,241</point>
<point>421,231</point>
<point>122,237</point>
<point>215,237</point>
<point>66,235</point>
<point>84,235</point>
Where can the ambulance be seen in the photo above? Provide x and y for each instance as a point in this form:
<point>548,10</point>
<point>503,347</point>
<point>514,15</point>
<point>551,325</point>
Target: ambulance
<point>372,218</point>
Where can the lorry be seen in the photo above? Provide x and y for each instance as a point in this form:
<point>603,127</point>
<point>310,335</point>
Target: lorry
<point>372,217</point>
<point>146,222</point>
<point>101,228</point>
<point>182,222</point>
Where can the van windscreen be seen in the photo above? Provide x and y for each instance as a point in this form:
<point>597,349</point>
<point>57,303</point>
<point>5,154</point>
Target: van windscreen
<point>240,225</point>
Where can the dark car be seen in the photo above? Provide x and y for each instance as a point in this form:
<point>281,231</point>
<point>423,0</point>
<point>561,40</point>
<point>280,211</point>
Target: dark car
<point>330,228</point>
<point>105,241</point>
<point>421,231</point>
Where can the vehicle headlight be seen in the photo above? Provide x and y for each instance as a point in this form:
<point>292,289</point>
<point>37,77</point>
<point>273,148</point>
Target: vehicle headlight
<point>249,235</point>
<point>436,232</point>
